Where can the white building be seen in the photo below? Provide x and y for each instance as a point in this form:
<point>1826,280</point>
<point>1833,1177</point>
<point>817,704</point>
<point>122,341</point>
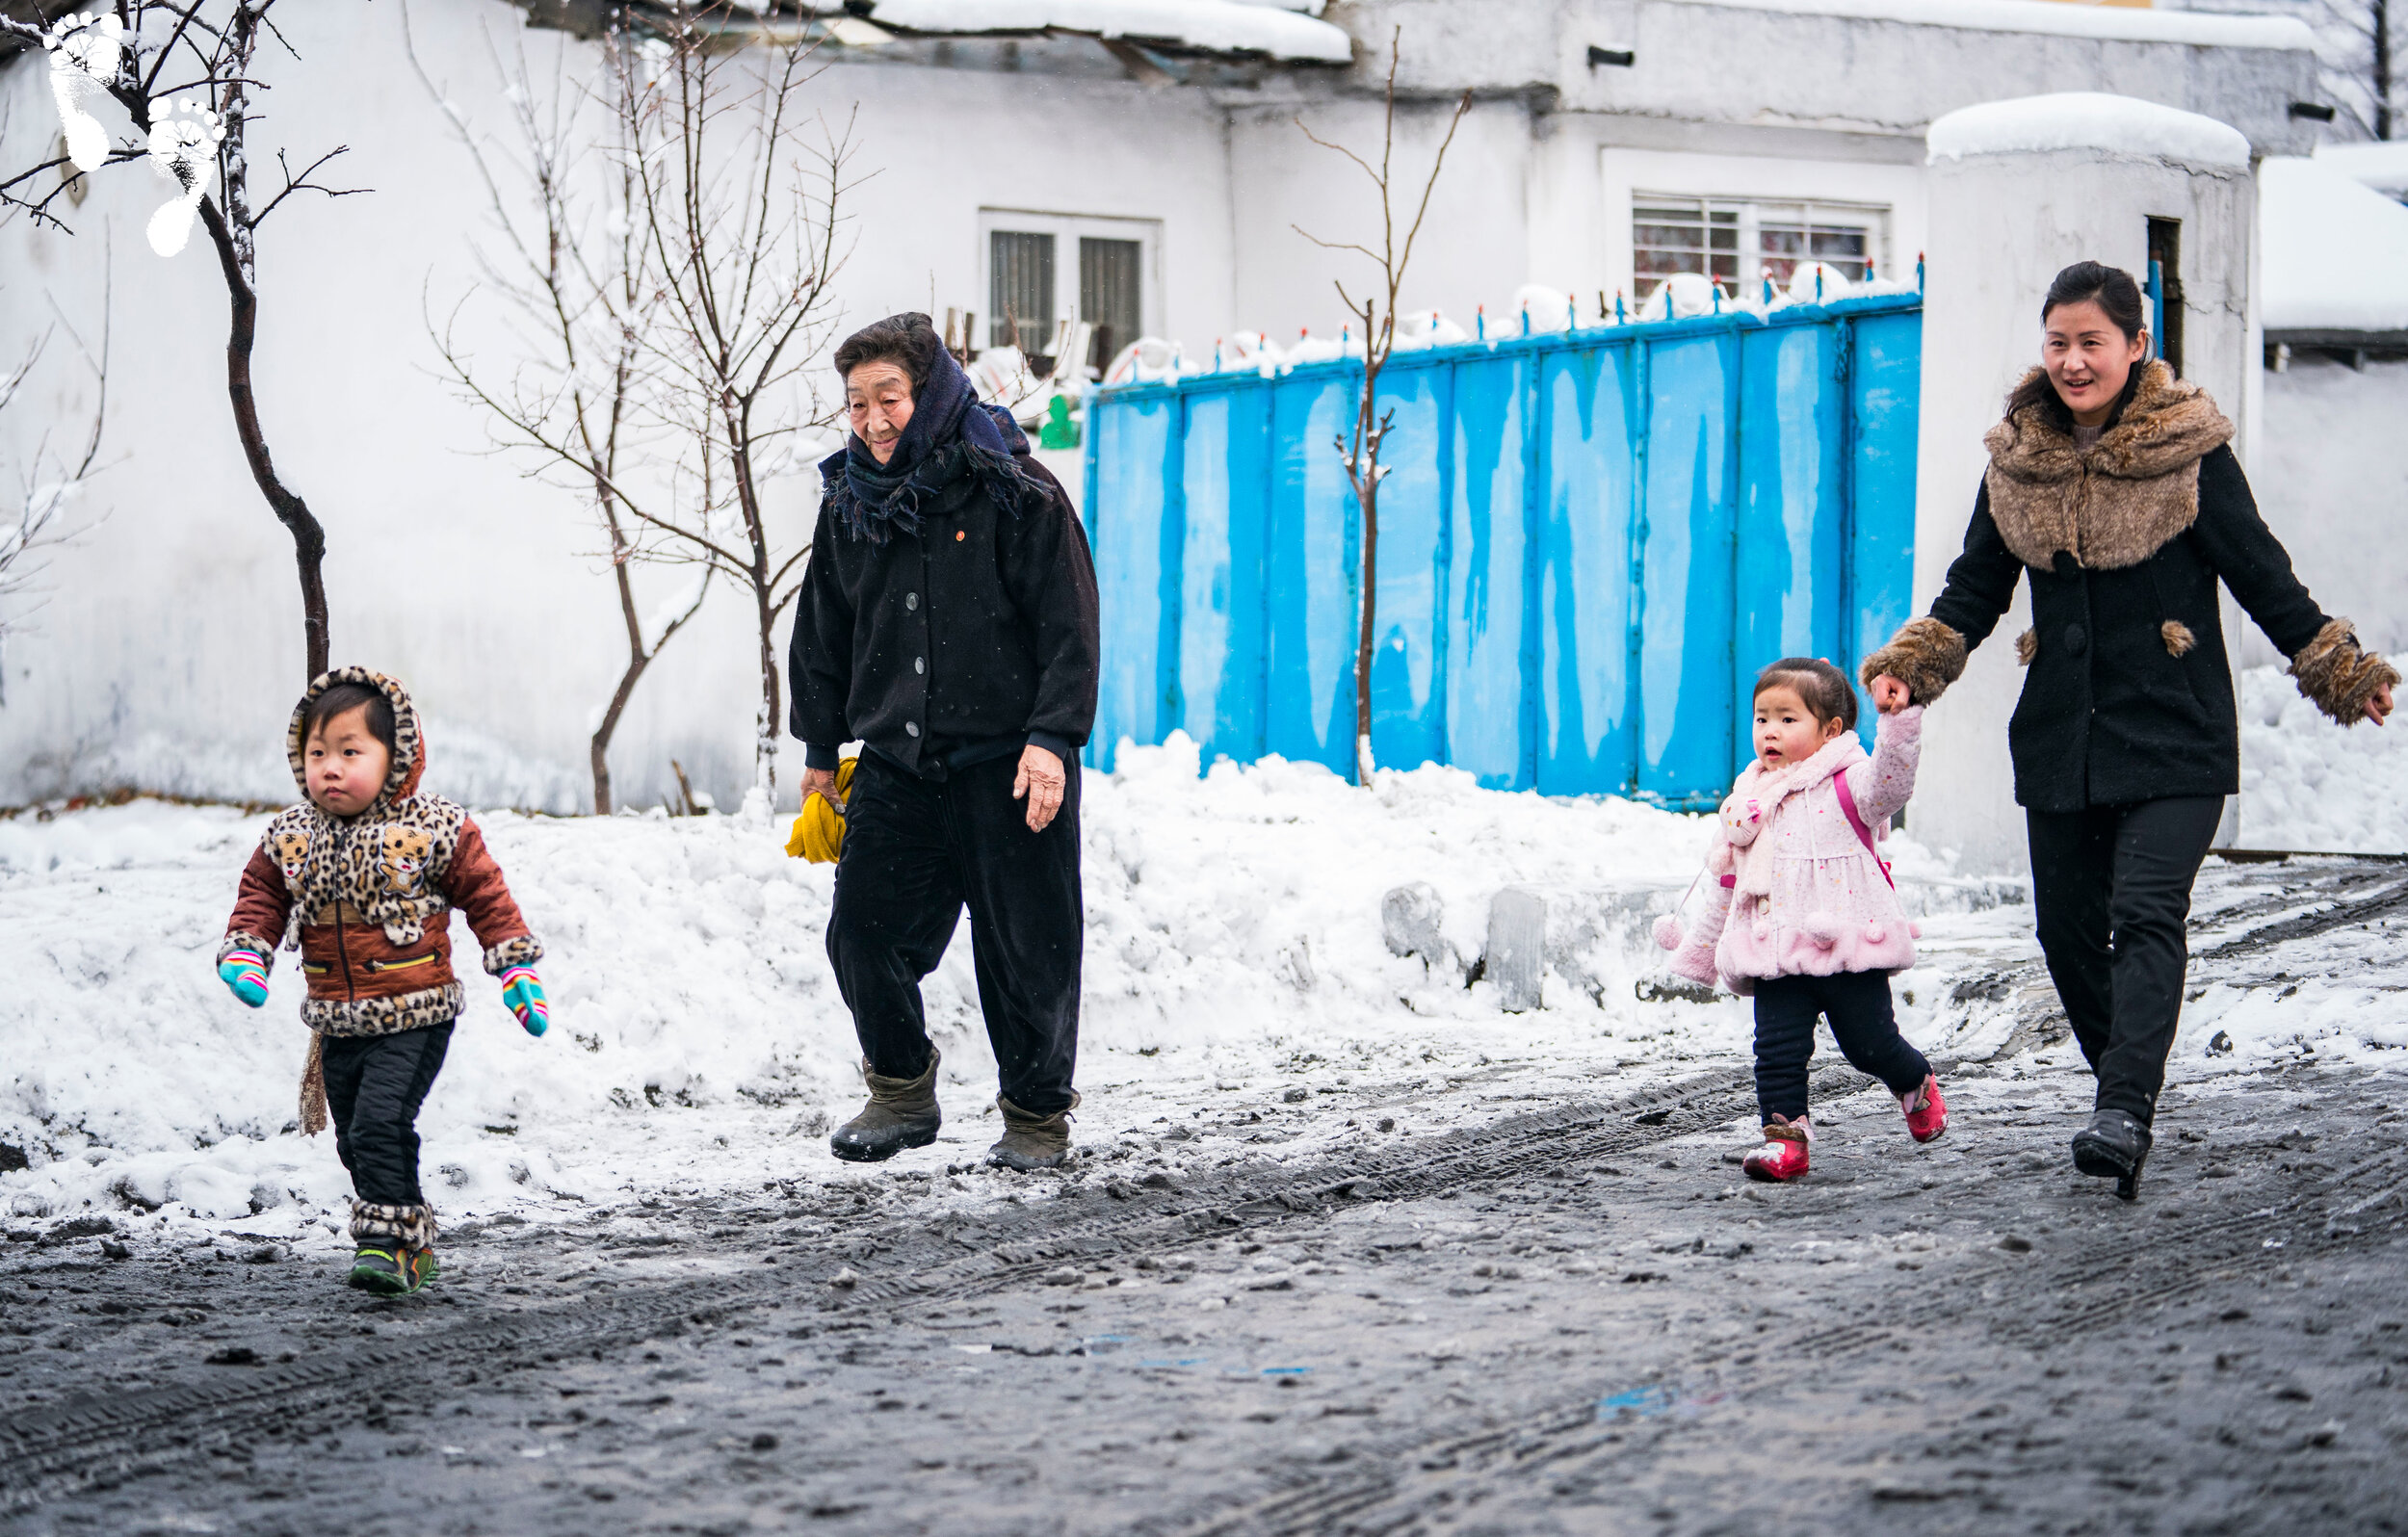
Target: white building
<point>1136,165</point>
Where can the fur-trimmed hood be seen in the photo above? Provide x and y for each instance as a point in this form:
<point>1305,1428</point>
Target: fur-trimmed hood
<point>409,738</point>
<point>2118,504</point>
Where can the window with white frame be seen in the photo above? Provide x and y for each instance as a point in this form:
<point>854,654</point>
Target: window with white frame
<point>1741,243</point>
<point>1045,268</point>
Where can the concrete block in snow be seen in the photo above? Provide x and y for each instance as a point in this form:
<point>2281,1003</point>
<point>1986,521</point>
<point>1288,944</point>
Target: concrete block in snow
<point>1517,947</point>
<point>1410,922</point>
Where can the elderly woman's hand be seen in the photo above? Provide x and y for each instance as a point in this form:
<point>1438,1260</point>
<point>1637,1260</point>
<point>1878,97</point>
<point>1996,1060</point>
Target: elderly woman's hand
<point>1041,779</point>
<point>821,782</point>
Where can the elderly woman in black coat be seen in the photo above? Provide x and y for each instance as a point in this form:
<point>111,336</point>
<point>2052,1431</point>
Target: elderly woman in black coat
<point>2112,489</point>
<point>948,622</point>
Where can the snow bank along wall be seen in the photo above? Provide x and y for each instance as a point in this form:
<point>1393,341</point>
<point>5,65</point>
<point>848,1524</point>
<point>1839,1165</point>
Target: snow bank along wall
<point>2019,190</point>
<point>167,648</point>
<point>1589,542</point>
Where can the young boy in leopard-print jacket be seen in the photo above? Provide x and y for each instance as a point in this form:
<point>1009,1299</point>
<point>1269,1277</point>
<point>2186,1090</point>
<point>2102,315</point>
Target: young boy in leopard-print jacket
<point>362,878</point>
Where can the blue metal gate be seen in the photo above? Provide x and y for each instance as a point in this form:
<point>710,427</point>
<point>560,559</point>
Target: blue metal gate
<point>1589,542</point>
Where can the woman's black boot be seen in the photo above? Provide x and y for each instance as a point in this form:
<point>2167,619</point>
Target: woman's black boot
<point>2112,1147</point>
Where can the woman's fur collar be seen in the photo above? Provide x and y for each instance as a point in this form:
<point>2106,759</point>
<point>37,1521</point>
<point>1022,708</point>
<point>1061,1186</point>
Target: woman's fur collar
<point>2119,504</point>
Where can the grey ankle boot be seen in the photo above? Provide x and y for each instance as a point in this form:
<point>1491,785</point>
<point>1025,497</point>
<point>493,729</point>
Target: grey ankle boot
<point>902,1113</point>
<point>1031,1141</point>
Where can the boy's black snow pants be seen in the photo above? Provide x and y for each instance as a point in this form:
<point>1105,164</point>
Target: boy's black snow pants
<point>916,850</point>
<point>1857,1003</point>
<point>375,1085</point>
<point>2110,886</point>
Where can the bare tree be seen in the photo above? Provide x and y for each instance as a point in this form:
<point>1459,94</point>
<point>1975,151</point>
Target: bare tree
<point>746,242</point>
<point>210,51</point>
<point>1376,312</point>
<point>41,515</point>
<point>574,271</point>
<point>739,220</point>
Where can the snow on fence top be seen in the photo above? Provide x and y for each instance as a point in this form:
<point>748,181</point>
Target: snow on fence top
<point>2123,23</point>
<point>2335,253</point>
<point>1211,26</point>
<point>2087,119</point>
<point>2381,167</point>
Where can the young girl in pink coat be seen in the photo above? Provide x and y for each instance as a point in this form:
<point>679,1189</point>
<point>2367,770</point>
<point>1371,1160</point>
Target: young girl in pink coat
<point>1802,913</point>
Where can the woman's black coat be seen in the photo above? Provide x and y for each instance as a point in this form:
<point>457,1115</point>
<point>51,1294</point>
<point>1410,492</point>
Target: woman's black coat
<point>2130,696</point>
<point>970,636</point>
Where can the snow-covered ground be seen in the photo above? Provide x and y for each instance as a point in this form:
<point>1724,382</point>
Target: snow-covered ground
<point>1234,959</point>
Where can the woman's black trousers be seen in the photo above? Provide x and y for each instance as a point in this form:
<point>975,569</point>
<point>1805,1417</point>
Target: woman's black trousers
<point>2111,889</point>
<point>916,851</point>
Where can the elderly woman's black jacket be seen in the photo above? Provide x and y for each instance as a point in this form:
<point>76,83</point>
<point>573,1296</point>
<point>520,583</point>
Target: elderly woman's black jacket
<point>2130,696</point>
<point>959,641</point>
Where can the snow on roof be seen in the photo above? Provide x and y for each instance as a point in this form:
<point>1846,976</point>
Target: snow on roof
<point>2381,167</point>
<point>2087,119</point>
<point>1211,26</point>
<point>2123,23</point>
<point>2335,253</point>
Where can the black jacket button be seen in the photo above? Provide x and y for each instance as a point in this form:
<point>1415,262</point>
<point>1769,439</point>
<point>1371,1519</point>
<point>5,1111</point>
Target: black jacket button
<point>2077,640</point>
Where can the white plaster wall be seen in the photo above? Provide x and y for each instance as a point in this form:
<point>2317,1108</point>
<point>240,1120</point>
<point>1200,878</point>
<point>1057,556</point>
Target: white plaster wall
<point>1473,249</point>
<point>2001,227</point>
<point>167,650</point>
<point>1703,62</point>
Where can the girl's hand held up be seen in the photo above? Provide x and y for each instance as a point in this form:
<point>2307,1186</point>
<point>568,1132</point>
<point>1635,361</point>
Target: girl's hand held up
<point>1889,695</point>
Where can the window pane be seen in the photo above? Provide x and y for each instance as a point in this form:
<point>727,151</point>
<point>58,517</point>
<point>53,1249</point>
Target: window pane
<point>1682,235</point>
<point>1110,295</point>
<point>1785,247</point>
<point>1020,287</point>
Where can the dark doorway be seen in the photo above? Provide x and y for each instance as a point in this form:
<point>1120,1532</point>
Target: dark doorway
<point>2165,288</point>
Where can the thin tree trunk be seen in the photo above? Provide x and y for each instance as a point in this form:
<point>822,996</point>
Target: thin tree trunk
<point>765,743</point>
<point>2382,18</point>
<point>309,538</point>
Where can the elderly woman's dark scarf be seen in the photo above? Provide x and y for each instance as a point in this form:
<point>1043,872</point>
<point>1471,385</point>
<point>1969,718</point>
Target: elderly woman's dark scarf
<point>951,435</point>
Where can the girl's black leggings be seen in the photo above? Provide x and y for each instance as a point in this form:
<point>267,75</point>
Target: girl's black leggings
<point>1858,1006</point>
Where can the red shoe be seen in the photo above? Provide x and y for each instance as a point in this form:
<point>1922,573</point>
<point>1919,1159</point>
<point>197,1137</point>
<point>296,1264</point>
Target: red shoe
<point>1926,1112</point>
<point>1783,1156</point>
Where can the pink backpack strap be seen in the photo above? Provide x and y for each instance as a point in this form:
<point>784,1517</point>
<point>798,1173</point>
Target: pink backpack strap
<point>1856,820</point>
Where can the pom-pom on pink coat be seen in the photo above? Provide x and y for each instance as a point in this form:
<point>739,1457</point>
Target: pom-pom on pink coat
<point>1797,886</point>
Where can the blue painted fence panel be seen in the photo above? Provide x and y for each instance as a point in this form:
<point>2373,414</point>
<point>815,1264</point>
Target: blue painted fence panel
<point>1589,542</point>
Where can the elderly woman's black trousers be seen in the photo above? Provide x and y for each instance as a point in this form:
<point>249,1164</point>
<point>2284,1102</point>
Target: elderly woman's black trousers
<point>2110,886</point>
<point>917,850</point>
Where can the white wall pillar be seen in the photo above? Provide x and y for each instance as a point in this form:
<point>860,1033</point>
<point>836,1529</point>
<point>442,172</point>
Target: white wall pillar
<point>2019,190</point>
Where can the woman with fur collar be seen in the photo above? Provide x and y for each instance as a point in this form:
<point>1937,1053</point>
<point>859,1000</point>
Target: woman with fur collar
<point>2114,489</point>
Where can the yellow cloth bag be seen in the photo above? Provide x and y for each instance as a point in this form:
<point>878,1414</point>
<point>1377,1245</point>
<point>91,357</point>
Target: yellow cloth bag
<point>818,834</point>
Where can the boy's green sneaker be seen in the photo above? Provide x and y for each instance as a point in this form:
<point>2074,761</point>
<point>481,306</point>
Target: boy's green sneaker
<point>392,1272</point>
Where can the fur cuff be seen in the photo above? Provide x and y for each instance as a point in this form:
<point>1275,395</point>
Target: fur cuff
<point>2178,638</point>
<point>2026,647</point>
<point>412,1227</point>
<point>1925,654</point>
<point>2338,677</point>
<point>264,949</point>
<point>520,949</point>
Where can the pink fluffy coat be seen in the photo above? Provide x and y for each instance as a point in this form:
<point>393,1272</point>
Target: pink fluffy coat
<point>1792,889</point>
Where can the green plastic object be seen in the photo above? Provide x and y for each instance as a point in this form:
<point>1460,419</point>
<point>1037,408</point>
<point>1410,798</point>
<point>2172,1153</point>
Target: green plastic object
<point>1059,432</point>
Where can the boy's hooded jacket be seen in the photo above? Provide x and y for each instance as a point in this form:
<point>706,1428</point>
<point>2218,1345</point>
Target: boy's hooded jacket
<point>367,899</point>
<point>2128,696</point>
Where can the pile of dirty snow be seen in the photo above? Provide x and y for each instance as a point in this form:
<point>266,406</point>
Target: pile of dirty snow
<point>2309,784</point>
<point>1234,947</point>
